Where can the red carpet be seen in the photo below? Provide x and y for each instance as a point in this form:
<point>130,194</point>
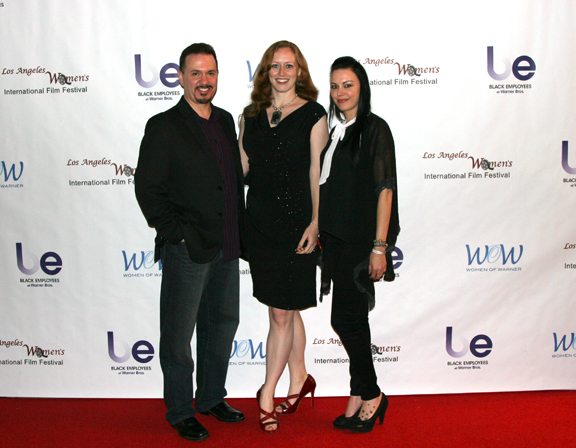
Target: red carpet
<point>524,419</point>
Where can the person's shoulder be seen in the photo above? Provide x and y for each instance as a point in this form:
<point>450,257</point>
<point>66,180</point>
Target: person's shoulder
<point>223,113</point>
<point>316,108</point>
<point>313,112</point>
<point>163,117</point>
<point>376,121</point>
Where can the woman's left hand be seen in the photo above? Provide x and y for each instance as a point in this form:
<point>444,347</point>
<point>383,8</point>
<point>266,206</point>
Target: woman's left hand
<point>377,266</point>
<point>308,241</point>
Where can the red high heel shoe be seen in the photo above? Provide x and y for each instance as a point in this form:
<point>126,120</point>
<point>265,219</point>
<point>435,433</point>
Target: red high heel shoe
<point>308,387</point>
<point>270,418</point>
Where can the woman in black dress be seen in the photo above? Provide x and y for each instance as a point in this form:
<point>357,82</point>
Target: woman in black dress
<point>282,133</point>
<point>358,229</point>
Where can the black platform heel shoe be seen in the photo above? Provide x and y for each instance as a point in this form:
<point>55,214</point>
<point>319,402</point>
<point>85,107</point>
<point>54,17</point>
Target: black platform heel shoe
<point>364,426</point>
<point>343,422</point>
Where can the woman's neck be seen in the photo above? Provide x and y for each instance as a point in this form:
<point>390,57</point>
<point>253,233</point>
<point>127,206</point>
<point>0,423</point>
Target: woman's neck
<point>350,116</point>
<point>279,99</point>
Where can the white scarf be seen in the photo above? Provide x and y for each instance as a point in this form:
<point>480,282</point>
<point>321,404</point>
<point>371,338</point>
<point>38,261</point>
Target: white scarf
<point>337,135</point>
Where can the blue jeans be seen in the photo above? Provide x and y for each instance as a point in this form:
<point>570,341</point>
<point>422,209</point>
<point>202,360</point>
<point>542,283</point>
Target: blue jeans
<point>206,296</point>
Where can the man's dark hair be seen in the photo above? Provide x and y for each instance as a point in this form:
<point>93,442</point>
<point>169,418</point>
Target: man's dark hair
<point>199,48</point>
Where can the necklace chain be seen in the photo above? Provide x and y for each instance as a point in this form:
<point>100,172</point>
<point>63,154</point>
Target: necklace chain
<point>289,102</point>
<point>277,114</point>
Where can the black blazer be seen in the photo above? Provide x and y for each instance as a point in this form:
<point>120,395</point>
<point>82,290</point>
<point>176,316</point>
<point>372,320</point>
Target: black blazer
<point>179,186</point>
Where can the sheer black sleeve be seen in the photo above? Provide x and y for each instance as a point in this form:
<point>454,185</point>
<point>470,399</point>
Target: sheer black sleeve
<point>382,152</point>
<point>381,149</point>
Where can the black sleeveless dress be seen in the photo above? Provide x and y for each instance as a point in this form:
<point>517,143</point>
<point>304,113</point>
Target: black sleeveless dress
<point>279,207</point>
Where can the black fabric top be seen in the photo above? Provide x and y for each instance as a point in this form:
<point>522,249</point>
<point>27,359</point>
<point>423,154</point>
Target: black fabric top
<point>349,198</point>
<point>279,202</point>
<point>279,207</point>
<point>224,151</point>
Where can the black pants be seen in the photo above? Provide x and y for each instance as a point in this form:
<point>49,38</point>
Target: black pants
<point>350,314</point>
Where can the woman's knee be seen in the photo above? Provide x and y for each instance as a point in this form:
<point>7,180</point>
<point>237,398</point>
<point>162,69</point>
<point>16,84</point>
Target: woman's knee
<point>281,318</point>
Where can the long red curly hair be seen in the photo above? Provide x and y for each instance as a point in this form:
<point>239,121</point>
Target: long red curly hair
<point>262,92</point>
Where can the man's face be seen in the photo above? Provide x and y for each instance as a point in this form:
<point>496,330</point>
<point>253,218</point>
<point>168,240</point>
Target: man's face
<point>199,79</point>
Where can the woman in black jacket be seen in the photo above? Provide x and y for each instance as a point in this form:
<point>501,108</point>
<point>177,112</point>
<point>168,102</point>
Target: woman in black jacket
<point>358,221</point>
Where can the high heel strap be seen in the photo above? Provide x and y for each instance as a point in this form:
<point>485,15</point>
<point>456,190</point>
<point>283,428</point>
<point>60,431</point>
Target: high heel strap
<point>308,387</point>
<point>269,419</point>
<point>285,405</point>
<point>271,416</point>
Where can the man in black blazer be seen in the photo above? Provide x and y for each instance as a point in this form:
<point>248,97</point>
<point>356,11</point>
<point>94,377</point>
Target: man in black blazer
<point>189,185</point>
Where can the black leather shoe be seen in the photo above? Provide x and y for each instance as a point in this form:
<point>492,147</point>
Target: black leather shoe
<point>225,413</point>
<point>191,429</point>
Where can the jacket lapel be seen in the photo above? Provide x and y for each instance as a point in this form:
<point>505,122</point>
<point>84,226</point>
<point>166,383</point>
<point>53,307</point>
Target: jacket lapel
<point>194,127</point>
<point>228,124</point>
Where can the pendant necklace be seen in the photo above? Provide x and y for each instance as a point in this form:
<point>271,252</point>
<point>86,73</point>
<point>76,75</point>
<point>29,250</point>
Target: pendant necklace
<point>277,114</point>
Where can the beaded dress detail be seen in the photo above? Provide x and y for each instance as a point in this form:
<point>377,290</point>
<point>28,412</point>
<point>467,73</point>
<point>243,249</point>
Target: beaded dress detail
<point>279,207</point>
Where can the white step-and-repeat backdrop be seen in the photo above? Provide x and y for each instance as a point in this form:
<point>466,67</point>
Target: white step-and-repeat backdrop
<point>480,97</point>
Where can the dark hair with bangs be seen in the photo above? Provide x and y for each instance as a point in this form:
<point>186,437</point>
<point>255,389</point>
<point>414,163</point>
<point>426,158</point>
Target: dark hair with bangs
<point>348,62</point>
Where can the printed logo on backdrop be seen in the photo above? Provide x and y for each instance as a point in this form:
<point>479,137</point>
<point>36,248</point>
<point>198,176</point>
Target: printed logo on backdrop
<point>129,359</point>
<point>40,272</point>
<point>466,167</point>
<point>510,75</point>
<point>156,81</point>
<point>380,353</point>
<point>389,72</point>
<point>251,73</point>
<point>141,264</point>
<point>120,174</point>
<point>570,246</point>
<point>247,352</point>
<point>570,181</point>
<point>397,261</point>
<point>22,354</point>
<point>473,352</point>
<point>10,174</point>
<point>45,81</point>
<point>495,258</point>
<point>564,346</point>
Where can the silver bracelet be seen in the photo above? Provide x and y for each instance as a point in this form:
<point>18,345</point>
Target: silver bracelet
<point>379,252</point>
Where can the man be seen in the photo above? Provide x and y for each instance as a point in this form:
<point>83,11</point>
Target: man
<point>189,185</point>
